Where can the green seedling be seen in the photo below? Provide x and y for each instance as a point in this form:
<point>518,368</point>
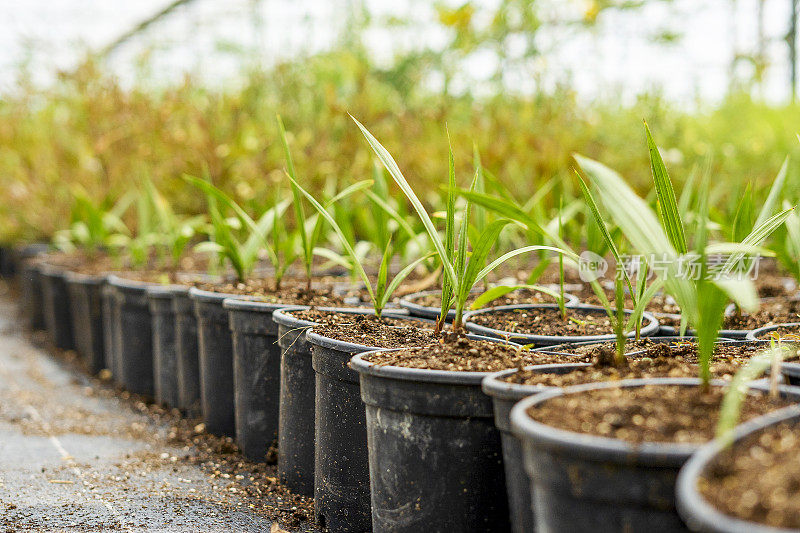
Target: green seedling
<point>383,289</point>
<point>460,274</point>
<point>702,300</point>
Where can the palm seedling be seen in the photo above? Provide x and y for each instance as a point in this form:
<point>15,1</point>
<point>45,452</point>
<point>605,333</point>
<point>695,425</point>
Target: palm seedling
<point>731,408</point>
<point>384,288</point>
<point>93,225</point>
<point>241,239</point>
<point>175,232</point>
<point>462,270</point>
<point>661,238</point>
<point>310,229</point>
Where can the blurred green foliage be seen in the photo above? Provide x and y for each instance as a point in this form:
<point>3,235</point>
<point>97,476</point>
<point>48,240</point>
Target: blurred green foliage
<point>88,131</point>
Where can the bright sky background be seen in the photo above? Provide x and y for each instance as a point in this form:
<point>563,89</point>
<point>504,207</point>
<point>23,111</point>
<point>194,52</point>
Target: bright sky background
<point>615,58</point>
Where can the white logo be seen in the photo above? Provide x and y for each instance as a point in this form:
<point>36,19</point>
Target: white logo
<point>591,266</point>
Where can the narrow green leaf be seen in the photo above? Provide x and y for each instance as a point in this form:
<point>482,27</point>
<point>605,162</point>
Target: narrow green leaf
<point>391,165</point>
<point>345,243</point>
<point>601,225</point>
<point>299,213</point>
<point>670,216</point>
<point>383,271</point>
<point>731,407</point>
<point>774,194</point>
<point>399,277</point>
<point>501,290</point>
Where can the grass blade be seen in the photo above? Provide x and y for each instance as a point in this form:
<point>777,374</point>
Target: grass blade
<point>670,216</point>
<point>391,165</point>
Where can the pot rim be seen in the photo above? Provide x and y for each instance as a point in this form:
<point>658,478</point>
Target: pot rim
<point>282,317</point>
<point>202,295</point>
<point>48,269</point>
<point>344,346</point>
<point>252,304</point>
<point>87,279</point>
<point>448,377</point>
<point>647,331</point>
<point>754,333</point>
<point>494,386</point>
<point>132,284</point>
<point>166,292</point>
<point>790,369</point>
<point>691,505</point>
<point>407,302</point>
<point>597,448</point>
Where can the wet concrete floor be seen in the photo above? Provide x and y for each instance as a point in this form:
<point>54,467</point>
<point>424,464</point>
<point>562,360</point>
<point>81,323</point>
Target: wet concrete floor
<point>76,457</point>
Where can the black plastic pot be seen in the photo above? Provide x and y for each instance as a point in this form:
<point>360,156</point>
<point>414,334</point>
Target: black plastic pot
<point>435,455</point>
<point>561,348</point>
<point>296,405</point>
<point>256,374</point>
<point>31,299</point>
<point>85,297</point>
<point>586,483</point>
<point>165,359</point>
<point>790,371</point>
<point>649,327</point>
<point>763,332</point>
<point>341,464</point>
<point>504,395</point>
<point>111,340</point>
<point>16,257</point>
<point>698,514</point>
<point>422,311</point>
<point>134,336</point>
<point>736,334</point>
<point>186,352</point>
<point>56,307</point>
<point>7,264</point>
<point>215,349</point>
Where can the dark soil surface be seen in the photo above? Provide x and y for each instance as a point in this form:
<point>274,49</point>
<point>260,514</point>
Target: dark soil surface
<point>81,456</point>
<point>521,296</point>
<point>369,330</point>
<point>461,354</point>
<point>675,360</point>
<point>777,311</point>
<point>99,263</point>
<point>653,413</point>
<point>771,282</point>
<point>325,291</point>
<point>758,479</point>
<point>659,304</point>
<point>631,345</point>
<point>547,322</point>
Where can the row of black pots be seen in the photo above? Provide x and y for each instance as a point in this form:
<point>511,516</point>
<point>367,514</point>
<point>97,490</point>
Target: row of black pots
<point>329,458</point>
<point>574,477</point>
<point>408,437</point>
<point>432,435</point>
<point>586,483</point>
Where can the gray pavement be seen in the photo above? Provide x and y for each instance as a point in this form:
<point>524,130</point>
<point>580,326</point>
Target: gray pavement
<point>74,456</point>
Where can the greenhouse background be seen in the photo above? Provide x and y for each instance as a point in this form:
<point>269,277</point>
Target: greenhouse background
<point>360,265</point>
